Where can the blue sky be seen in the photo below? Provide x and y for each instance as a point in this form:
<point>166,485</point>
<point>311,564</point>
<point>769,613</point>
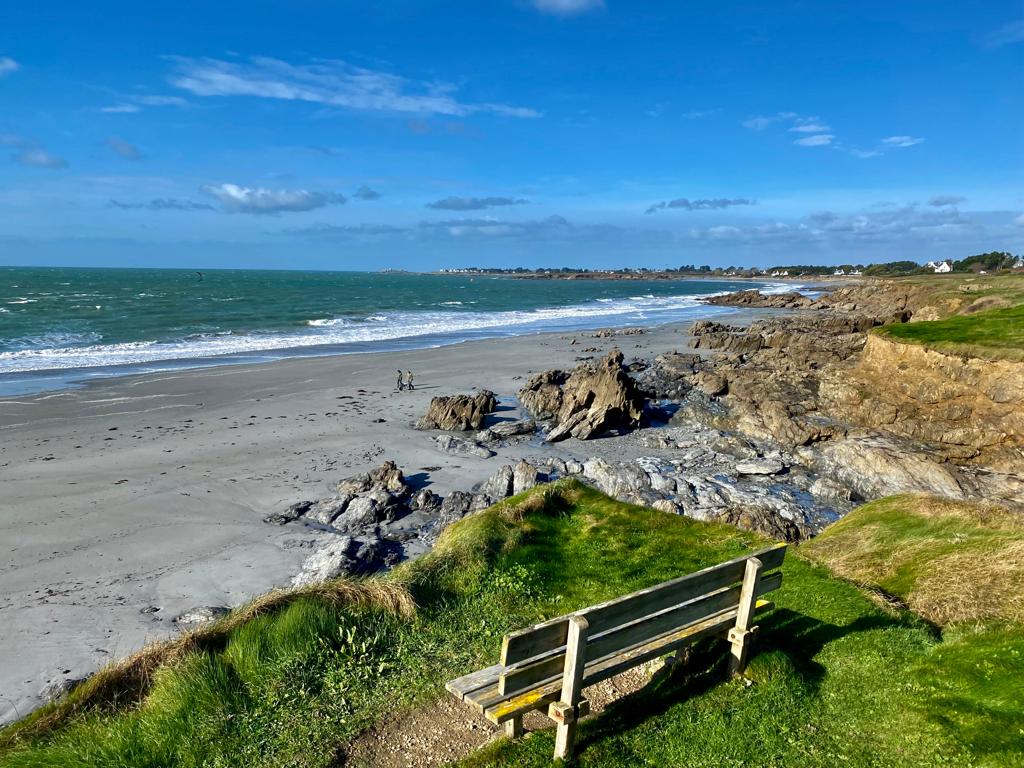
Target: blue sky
<point>353,135</point>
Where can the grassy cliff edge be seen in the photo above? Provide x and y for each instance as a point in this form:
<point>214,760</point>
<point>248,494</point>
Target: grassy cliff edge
<point>839,677</point>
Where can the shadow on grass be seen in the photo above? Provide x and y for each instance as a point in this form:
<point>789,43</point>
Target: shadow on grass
<point>798,637</point>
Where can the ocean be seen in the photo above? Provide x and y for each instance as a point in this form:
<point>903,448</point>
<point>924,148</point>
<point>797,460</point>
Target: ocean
<point>61,327</point>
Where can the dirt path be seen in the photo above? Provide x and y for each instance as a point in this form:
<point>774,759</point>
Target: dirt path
<point>447,730</point>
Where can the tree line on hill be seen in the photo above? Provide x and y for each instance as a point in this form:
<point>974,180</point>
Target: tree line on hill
<point>993,261</point>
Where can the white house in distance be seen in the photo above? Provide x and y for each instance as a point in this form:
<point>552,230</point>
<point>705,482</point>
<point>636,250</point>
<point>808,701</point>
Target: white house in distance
<point>939,267</point>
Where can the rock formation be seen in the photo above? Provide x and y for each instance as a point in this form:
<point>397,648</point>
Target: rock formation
<point>586,402</point>
<point>459,413</point>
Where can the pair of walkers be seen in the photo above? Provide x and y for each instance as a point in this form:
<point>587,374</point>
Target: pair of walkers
<point>406,382</point>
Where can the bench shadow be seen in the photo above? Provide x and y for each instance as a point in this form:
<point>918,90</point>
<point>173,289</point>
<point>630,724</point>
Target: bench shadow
<point>799,637</point>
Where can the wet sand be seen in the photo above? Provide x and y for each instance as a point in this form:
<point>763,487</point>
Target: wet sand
<point>127,502</point>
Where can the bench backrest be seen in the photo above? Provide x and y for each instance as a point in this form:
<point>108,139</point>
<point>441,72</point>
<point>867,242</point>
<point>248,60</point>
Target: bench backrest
<point>538,653</point>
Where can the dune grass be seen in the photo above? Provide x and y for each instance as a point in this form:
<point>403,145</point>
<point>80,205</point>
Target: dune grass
<point>997,334</point>
<point>839,679</point>
<point>948,561</point>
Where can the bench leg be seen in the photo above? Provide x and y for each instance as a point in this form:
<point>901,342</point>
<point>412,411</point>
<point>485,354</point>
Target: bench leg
<point>742,635</point>
<point>572,687</point>
<point>513,728</point>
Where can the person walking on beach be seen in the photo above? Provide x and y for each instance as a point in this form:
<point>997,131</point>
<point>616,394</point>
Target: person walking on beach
<point>408,380</point>
<point>400,384</point>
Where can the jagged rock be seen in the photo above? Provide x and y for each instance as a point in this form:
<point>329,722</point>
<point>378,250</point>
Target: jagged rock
<point>326,510</point>
<point>760,467</point>
<point>499,485</point>
<point>201,615</point>
<point>620,481</point>
<point>458,504</point>
<point>711,384</point>
<point>294,512</point>
<point>573,467</point>
<point>506,429</point>
<point>667,506</point>
<point>458,413</point>
<point>754,298</point>
<point>387,476</point>
<point>874,466</point>
<point>524,477</point>
<point>591,400</point>
<point>457,446</point>
<point>425,500</point>
<point>341,556</point>
<point>668,378</point>
<point>762,521</point>
<point>824,488</point>
<point>542,394</point>
<point>363,512</point>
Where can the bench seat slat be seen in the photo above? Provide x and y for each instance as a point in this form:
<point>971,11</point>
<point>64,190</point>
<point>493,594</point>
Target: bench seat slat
<point>543,637</point>
<point>498,708</point>
<point>474,681</point>
<point>523,677</point>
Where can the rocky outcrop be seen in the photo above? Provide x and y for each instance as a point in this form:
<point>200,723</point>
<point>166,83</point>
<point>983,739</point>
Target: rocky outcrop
<point>458,413</point>
<point>971,409</point>
<point>542,394</point>
<point>702,483</point>
<point>202,614</point>
<point>458,446</point>
<point>343,556</point>
<point>588,401</point>
<point>375,520</point>
<point>504,430</point>
<point>509,480</point>
<point>878,415</point>
<point>754,298</point>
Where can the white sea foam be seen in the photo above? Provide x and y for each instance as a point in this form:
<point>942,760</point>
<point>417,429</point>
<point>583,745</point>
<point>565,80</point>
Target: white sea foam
<point>452,324</point>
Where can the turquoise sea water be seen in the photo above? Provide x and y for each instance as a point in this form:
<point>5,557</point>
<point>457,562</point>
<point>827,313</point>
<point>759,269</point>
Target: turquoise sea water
<point>55,322</point>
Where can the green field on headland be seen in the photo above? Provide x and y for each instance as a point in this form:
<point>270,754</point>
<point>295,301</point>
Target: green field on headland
<point>841,677</point>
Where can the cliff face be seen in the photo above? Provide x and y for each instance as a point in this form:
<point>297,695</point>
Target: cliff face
<point>971,409</point>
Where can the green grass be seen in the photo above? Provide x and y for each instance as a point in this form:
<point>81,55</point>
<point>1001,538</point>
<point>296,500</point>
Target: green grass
<point>997,333</point>
<point>838,679</point>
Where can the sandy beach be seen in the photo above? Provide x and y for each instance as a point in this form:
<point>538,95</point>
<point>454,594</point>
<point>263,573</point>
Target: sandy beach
<point>129,501</point>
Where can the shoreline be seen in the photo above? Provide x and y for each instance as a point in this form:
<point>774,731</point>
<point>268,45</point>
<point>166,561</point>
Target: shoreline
<point>134,499</point>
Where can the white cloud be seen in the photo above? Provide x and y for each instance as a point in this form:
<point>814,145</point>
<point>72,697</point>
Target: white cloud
<point>818,140</point>
<point>8,66</point>
<point>40,158</point>
<point>567,7</point>
<point>136,103</point>
<point>1010,33</point>
<point>761,122</point>
<point>901,141</point>
<point>328,82</point>
<point>161,101</point>
<point>237,199</point>
<point>810,125</point>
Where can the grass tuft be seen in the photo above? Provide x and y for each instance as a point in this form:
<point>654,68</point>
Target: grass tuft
<point>125,682</point>
<point>945,560</point>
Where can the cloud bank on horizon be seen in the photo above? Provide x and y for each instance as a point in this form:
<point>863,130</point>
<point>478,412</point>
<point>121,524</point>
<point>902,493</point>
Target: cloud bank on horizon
<point>535,132</point>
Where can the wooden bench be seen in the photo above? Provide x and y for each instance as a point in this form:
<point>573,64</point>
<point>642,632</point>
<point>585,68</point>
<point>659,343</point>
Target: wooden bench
<point>547,666</point>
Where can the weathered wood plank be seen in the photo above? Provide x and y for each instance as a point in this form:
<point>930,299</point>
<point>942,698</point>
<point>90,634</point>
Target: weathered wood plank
<point>465,685</point>
<point>576,649</point>
<point>498,709</point>
<point>521,677</point>
<point>535,640</point>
